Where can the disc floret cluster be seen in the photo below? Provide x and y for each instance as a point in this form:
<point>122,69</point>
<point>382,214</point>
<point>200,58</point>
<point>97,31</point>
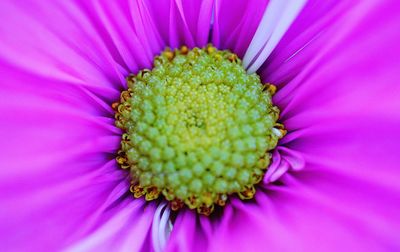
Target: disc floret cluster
<point>198,129</point>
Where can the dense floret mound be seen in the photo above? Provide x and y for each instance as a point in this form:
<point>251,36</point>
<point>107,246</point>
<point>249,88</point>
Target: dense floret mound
<point>198,128</point>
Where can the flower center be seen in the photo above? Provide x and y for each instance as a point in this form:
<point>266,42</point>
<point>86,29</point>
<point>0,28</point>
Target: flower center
<point>198,128</point>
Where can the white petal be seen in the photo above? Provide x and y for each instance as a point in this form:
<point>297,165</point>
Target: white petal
<point>165,227</point>
<point>278,17</point>
<point>161,228</point>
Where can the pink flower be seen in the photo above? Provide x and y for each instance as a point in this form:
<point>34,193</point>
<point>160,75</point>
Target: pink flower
<point>333,184</point>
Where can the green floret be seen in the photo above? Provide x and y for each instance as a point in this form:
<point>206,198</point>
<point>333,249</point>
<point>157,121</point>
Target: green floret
<point>198,128</point>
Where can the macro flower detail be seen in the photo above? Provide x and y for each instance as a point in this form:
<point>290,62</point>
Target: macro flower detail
<point>68,165</point>
<point>198,129</point>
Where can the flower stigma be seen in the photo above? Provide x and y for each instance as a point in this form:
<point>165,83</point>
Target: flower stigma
<point>197,129</point>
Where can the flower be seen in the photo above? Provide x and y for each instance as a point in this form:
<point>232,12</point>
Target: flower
<point>332,184</point>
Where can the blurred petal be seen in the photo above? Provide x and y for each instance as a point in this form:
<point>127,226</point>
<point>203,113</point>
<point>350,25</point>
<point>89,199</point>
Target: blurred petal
<point>62,65</point>
<point>126,230</point>
<point>292,216</point>
<point>132,37</point>
<point>56,156</point>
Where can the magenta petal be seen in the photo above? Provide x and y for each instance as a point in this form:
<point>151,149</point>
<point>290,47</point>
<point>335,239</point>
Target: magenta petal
<point>133,36</point>
<point>341,107</point>
<point>189,232</point>
<point>57,162</point>
<point>283,160</point>
<point>125,229</point>
<point>235,23</point>
<point>78,41</point>
<point>288,58</point>
<point>46,42</point>
<point>62,65</point>
<point>305,210</point>
<point>182,22</point>
<point>196,16</point>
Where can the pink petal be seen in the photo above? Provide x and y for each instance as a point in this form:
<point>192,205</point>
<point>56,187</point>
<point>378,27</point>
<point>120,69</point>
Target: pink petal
<point>189,232</point>
<point>339,98</point>
<point>182,22</point>
<point>62,65</point>
<point>125,230</point>
<point>283,160</point>
<point>235,23</point>
<point>310,212</point>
